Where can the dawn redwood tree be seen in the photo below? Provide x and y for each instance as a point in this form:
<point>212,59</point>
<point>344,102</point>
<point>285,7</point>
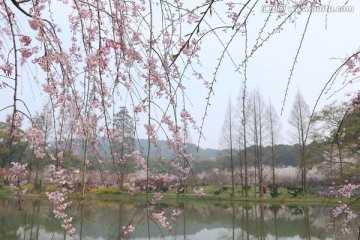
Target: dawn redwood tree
<point>241,156</point>
<point>243,119</point>
<point>227,140</point>
<point>300,121</point>
<point>257,129</point>
<point>274,130</point>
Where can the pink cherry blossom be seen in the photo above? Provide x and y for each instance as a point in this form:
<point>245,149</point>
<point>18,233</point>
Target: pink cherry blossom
<point>26,40</point>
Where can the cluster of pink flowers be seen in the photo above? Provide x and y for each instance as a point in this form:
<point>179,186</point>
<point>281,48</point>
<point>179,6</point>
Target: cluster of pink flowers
<point>132,190</point>
<point>156,198</point>
<point>19,174</point>
<point>26,40</point>
<point>58,198</point>
<point>181,169</point>
<point>343,211</point>
<point>35,23</point>
<point>16,119</point>
<point>7,69</point>
<point>127,229</point>
<point>346,214</point>
<point>346,190</point>
<point>175,214</point>
<point>200,192</point>
<point>355,103</point>
<point>35,136</point>
<point>161,219</point>
<point>61,178</point>
<point>353,64</point>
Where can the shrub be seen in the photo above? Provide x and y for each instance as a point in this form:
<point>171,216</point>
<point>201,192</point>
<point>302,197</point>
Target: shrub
<point>28,187</point>
<point>50,188</point>
<point>105,189</point>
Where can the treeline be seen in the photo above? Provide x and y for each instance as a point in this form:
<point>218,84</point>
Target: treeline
<point>286,155</point>
<point>329,137</point>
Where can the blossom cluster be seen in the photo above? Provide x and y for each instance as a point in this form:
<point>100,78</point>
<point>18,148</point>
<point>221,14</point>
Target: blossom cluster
<point>61,178</point>
<point>343,211</point>
<point>58,198</point>
<point>19,174</point>
<point>161,219</point>
<point>200,192</point>
<point>127,229</point>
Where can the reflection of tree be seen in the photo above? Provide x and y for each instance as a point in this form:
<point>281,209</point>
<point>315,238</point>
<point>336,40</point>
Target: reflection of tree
<point>306,233</point>
<point>295,210</point>
<point>262,222</point>
<point>105,220</point>
<point>9,226</point>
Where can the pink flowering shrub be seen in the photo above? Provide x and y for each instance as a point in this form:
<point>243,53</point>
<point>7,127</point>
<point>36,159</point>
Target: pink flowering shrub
<point>19,175</point>
<point>343,212</point>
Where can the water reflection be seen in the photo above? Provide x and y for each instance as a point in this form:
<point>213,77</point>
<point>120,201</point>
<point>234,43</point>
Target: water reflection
<point>104,220</point>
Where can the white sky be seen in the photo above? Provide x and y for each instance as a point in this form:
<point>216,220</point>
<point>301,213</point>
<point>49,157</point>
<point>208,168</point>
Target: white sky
<point>269,68</point>
<point>329,36</point>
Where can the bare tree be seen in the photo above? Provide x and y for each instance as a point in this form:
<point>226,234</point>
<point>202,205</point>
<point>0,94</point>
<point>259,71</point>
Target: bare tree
<point>300,121</point>
<point>274,130</point>
<point>226,140</point>
<point>258,129</point>
<point>242,140</point>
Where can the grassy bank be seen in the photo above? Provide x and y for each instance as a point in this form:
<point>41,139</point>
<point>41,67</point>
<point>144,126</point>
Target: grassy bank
<point>212,195</point>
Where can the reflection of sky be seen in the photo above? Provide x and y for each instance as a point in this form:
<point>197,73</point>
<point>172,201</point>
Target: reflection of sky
<point>51,235</point>
<point>224,233</point>
<point>105,222</point>
<point>203,234</point>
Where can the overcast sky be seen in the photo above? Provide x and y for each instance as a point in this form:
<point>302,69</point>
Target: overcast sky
<point>329,37</point>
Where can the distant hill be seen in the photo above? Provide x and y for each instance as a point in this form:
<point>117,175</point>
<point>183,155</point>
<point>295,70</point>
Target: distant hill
<point>285,155</point>
<point>198,153</point>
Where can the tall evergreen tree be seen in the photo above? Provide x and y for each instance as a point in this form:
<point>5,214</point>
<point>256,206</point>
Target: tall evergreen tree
<point>124,141</point>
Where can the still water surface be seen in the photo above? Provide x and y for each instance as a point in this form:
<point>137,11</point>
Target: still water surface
<point>104,220</point>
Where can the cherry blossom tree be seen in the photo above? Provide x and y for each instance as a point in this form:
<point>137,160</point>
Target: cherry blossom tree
<point>89,57</point>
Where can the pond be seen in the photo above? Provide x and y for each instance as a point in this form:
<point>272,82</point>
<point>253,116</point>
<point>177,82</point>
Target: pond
<point>99,219</point>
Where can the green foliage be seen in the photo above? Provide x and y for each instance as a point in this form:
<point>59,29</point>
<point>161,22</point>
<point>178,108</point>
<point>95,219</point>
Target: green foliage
<point>274,192</point>
<point>350,132</point>
<point>11,149</point>
<point>51,188</point>
<point>28,187</point>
